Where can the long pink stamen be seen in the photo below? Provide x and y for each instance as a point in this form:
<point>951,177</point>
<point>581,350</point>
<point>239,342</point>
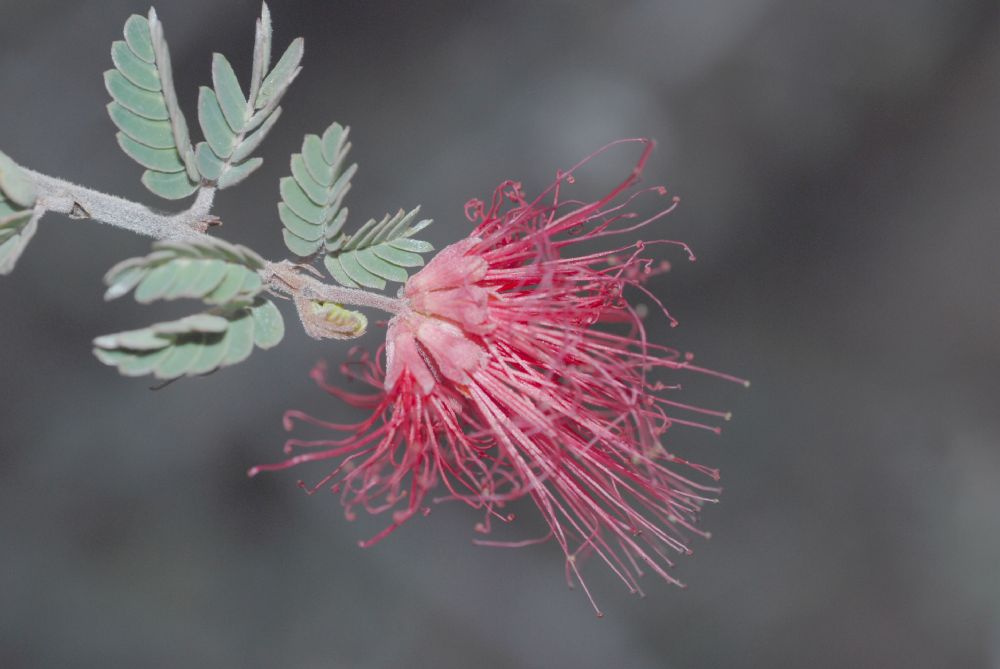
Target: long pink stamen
<point>521,371</point>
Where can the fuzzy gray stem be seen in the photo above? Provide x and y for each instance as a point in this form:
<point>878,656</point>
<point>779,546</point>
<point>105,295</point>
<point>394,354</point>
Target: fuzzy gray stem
<point>80,202</point>
<point>316,290</point>
<point>287,278</point>
<point>284,277</point>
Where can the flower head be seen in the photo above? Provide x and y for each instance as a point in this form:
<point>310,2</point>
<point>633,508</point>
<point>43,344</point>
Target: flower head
<point>518,369</point>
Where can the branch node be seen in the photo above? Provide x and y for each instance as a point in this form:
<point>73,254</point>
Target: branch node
<point>205,222</point>
<point>78,211</point>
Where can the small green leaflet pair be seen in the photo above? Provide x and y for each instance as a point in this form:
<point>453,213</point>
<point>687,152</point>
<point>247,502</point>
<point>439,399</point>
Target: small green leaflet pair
<point>224,276</point>
<point>18,213</point>
<point>152,127</point>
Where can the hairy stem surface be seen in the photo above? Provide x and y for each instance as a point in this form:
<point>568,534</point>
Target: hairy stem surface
<point>284,277</point>
<point>80,202</point>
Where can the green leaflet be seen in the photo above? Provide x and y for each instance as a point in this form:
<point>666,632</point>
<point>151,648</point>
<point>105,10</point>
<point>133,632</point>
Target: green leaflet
<point>154,134</point>
<point>231,286</point>
<point>310,209</point>
<point>229,93</point>
<point>15,233</point>
<point>139,39</point>
<point>212,247</point>
<point>295,198</point>
<point>299,246</point>
<point>213,122</point>
<point>380,251</point>
<point>209,164</point>
<point>211,270</point>
<point>173,186</point>
<point>157,282</point>
<point>261,51</point>
<point>281,77</point>
<point>269,327</point>
<point>15,185</point>
<point>234,174</point>
<point>18,218</point>
<point>165,161</point>
<point>193,345</point>
<point>136,70</point>
<point>240,336</point>
<point>235,124</point>
<point>253,140</point>
<point>145,103</point>
<point>144,108</point>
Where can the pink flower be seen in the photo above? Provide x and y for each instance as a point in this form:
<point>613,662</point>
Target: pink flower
<point>519,370</point>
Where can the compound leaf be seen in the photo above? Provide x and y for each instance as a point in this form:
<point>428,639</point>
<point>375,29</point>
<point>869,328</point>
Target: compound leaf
<point>234,125</point>
<point>193,345</point>
<point>310,209</point>
<point>144,108</point>
<point>208,269</point>
<point>370,257</point>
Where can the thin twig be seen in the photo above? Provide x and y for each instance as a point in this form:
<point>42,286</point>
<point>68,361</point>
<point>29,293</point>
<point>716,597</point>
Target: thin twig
<point>283,277</point>
<point>85,203</point>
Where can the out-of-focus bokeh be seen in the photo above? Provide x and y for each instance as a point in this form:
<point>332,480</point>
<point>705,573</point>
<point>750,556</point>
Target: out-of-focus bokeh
<point>838,165</point>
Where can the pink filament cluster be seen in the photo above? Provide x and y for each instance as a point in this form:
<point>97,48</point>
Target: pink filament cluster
<point>518,370</point>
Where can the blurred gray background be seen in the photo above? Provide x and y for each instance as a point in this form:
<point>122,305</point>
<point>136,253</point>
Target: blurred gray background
<point>838,167</point>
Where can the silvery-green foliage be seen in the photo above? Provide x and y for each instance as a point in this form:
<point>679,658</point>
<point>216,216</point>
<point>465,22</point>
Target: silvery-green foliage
<point>313,217</point>
<point>152,127</point>
<point>234,123</point>
<point>229,278</point>
<point>194,345</point>
<point>18,214</point>
<point>310,209</point>
<point>212,270</point>
<point>379,251</point>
